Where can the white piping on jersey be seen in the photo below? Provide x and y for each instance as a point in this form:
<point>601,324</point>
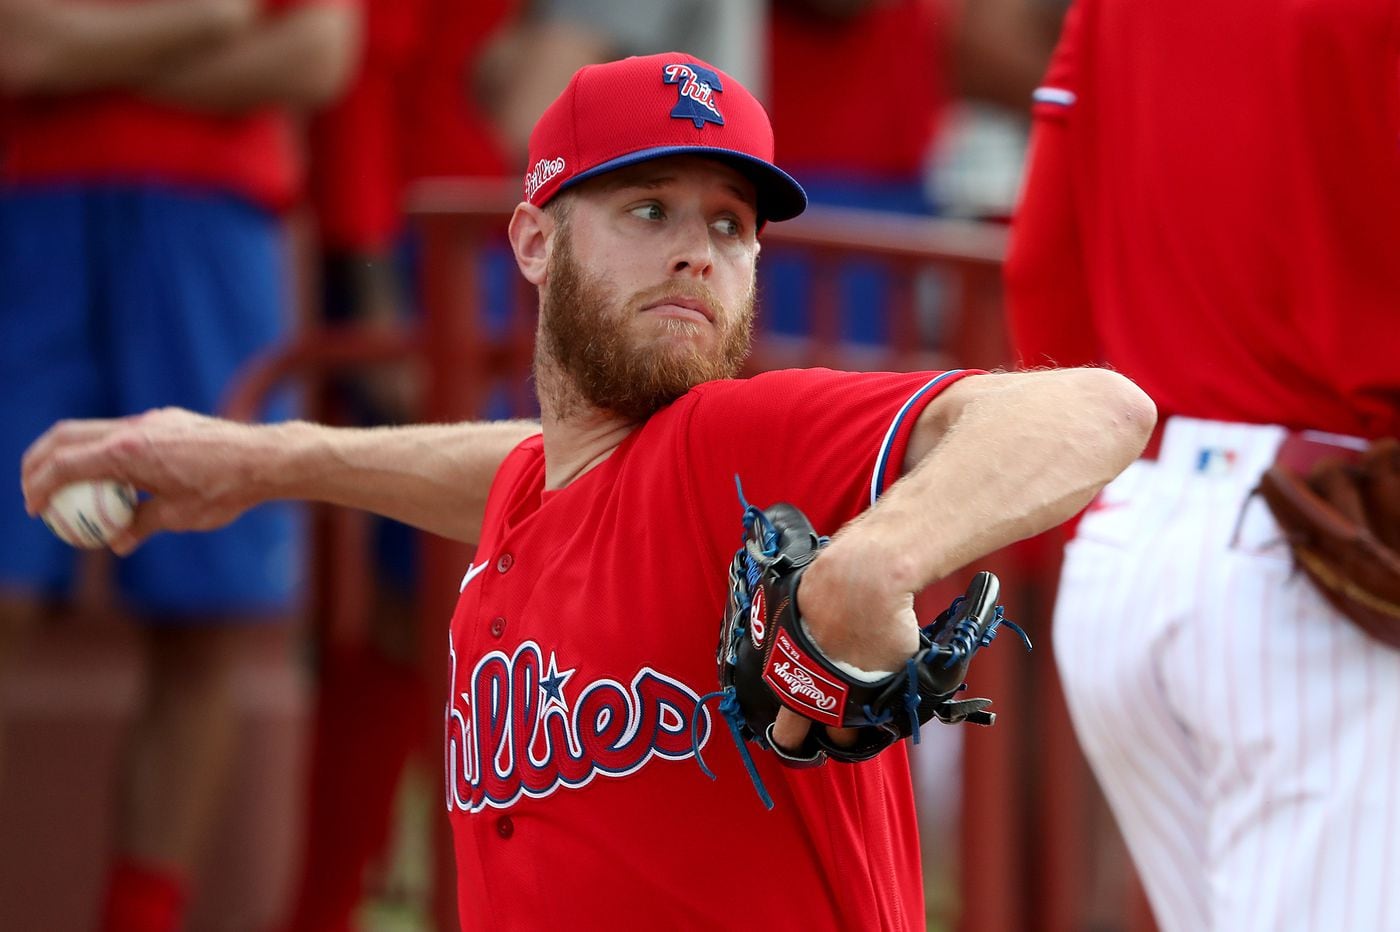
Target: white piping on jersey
<point>472,572</point>
<point>1059,96</point>
<point>882,460</point>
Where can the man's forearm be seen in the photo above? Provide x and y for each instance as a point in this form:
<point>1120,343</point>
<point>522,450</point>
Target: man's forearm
<point>198,473</point>
<point>1025,453</point>
<point>300,59</point>
<point>73,45</point>
<point>434,477</point>
<point>1020,454</point>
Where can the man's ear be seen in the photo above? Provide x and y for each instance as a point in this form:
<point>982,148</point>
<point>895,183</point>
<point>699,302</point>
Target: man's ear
<point>531,232</point>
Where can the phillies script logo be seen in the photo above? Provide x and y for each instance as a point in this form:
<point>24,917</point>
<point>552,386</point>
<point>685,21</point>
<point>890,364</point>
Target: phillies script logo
<point>698,87</point>
<point>544,171</point>
<point>514,728</point>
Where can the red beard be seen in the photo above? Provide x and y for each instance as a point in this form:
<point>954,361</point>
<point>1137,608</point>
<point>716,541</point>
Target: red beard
<point>589,338</point>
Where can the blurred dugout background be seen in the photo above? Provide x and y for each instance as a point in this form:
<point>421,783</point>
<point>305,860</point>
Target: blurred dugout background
<point>906,120</point>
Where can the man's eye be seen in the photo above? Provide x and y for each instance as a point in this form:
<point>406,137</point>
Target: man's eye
<point>727,226</point>
<point>649,212</point>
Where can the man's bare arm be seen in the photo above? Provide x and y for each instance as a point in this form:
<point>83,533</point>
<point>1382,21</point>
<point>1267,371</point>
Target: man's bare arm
<point>993,460</point>
<point>301,59</point>
<point>199,473</point>
<point>67,46</point>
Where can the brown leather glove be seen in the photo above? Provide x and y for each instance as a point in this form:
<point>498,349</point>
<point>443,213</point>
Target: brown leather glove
<point>1342,521</point>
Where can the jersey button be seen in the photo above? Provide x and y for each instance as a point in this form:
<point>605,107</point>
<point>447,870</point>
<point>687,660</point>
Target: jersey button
<point>504,563</point>
<point>505,827</point>
<point>498,626</point>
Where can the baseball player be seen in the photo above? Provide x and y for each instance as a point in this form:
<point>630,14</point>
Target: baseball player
<point>585,635</point>
<point>1209,208</point>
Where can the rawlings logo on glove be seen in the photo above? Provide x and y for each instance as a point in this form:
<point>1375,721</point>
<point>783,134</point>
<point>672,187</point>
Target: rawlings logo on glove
<point>789,673</point>
<point>768,662</point>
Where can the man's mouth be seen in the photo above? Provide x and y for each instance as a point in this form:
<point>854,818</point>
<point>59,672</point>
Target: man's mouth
<point>683,308</point>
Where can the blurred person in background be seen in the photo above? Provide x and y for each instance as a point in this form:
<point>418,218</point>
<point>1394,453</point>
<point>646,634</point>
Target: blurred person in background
<point>975,168</point>
<point>148,154</point>
<point>1210,209</point>
<point>410,113</point>
<point>891,68</point>
<point>881,65</point>
<point>527,68</point>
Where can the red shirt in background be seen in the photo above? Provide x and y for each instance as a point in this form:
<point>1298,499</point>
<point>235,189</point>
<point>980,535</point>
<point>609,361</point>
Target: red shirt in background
<point>408,114</point>
<point>117,136</point>
<point>857,96</point>
<point>1217,220</point>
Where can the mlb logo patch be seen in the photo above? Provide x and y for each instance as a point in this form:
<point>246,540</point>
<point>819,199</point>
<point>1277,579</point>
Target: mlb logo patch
<point>696,88</point>
<point>1216,461</point>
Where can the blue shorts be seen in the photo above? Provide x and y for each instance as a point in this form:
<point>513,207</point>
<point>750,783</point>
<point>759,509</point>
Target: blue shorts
<point>116,299</point>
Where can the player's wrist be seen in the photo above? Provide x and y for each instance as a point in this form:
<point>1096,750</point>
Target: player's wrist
<point>857,616</point>
<point>284,460</point>
<point>872,565</point>
<point>890,549</point>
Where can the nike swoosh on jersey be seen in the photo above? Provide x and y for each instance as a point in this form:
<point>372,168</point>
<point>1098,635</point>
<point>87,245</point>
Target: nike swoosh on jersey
<point>472,571</point>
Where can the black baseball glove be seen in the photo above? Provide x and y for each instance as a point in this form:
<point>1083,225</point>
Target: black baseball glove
<point>767,661</point>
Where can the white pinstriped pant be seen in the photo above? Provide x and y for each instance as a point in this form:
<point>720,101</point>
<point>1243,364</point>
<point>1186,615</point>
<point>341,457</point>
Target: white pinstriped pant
<point>1247,737</point>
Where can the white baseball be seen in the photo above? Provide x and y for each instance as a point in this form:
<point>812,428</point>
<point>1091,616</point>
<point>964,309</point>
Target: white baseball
<point>88,514</point>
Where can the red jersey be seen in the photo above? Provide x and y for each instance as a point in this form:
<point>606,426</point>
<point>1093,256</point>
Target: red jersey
<point>1211,208</point>
<point>857,95</point>
<point>586,636</point>
<point>117,136</point>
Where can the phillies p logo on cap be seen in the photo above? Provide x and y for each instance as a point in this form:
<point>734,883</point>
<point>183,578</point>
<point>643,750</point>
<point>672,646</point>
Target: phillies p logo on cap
<point>698,87</point>
<point>623,112</point>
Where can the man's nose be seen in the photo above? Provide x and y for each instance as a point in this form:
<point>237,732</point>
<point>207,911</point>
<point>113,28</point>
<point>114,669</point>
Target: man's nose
<point>692,254</point>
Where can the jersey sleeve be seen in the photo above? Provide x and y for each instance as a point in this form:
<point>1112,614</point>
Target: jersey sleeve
<point>828,442</point>
<point>1058,92</point>
<point>1047,293</point>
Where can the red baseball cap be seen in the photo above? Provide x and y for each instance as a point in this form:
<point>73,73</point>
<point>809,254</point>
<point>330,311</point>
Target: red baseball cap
<point>623,112</point>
